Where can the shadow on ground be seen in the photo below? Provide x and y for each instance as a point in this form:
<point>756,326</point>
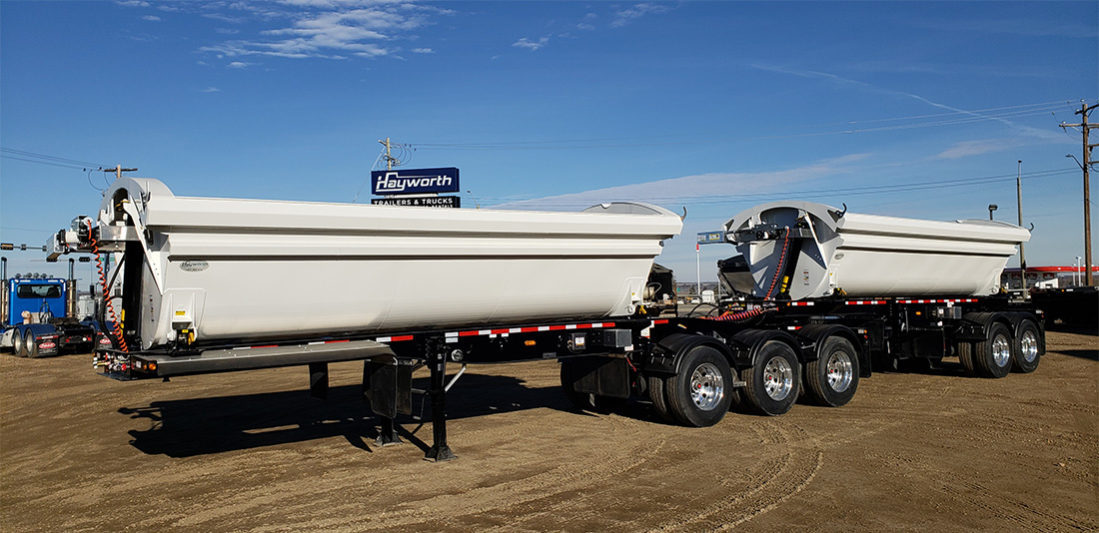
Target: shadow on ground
<point>183,428</point>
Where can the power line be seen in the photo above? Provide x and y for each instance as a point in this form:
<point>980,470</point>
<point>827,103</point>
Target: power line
<point>709,198</point>
<point>64,165</point>
<point>960,117</point>
<point>48,157</point>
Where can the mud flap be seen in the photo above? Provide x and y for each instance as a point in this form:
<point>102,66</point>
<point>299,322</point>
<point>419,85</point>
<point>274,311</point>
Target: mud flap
<point>388,386</point>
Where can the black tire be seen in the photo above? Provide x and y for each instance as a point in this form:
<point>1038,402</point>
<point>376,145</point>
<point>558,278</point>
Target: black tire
<point>699,395</point>
<point>31,346</point>
<point>1025,353</point>
<point>772,383</point>
<point>833,379</point>
<point>660,401</point>
<point>23,352</point>
<point>17,346</point>
<point>992,356</point>
<point>965,356</point>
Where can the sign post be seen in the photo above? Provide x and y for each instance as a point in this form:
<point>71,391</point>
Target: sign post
<point>706,237</point>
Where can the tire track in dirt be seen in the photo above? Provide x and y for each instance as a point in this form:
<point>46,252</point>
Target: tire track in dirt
<point>588,470</point>
<point>785,477</point>
<point>1021,515</point>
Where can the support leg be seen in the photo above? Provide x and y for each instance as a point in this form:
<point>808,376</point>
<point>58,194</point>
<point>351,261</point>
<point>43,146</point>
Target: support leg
<point>439,450</point>
<point>387,435</point>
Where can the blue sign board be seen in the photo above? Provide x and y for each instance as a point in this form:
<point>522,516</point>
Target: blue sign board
<point>711,237</point>
<point>414,181</point>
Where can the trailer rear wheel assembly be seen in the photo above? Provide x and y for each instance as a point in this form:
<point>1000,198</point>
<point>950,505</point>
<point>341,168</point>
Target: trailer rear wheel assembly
<point>771,384</point>
<point>30,345</point>
<point>1026,351</point>
<point>17,344</point>
<point>699,394</point>
<point>992,356</point>
<point>834,377</point>
<point>660,403</point>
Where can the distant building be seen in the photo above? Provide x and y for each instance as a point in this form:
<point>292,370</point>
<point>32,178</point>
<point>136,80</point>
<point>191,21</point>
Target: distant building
<point>1045,277</point>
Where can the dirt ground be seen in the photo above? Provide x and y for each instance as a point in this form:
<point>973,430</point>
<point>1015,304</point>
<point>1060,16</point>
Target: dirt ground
<point>251,451</point>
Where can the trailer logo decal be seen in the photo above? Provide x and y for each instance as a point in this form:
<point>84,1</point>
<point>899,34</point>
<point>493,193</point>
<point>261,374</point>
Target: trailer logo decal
<point>194,266</point>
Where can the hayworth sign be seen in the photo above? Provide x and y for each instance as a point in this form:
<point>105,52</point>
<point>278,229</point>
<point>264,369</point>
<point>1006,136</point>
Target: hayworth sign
<point>414,181</point>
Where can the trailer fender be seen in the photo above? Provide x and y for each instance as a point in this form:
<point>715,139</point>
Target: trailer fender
<point>974,326</point>
<point>667,355</point>
<point>747,344</point>
<point>812,338</point>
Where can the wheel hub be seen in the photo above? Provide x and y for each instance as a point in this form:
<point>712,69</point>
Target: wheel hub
<point>840,371</point>
<point>778,378</point>
<point>1028,345</point>
<point>1001,350</point>
<point>707,387</point>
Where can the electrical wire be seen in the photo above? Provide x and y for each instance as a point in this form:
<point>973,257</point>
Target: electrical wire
<point>53,158</point>
<point>961,117</point>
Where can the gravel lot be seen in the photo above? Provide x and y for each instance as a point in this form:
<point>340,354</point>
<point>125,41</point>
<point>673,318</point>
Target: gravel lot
<point>251,451</point>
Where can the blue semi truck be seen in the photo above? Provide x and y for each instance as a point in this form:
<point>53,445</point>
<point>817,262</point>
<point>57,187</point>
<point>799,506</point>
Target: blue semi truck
<point>38,317</point>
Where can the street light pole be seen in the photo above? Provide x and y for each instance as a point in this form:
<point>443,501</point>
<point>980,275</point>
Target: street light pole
<point>991,208</point>
<point>1019,200</point>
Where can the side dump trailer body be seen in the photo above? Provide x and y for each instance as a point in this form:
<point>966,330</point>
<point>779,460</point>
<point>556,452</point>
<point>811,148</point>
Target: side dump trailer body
<point>220,270</point>
<point>817,250</point>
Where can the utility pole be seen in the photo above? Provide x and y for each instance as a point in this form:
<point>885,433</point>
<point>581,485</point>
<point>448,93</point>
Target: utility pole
<point>1083,112</point>
<point>118,170</point>
<point>1019,200</point>
<point>389,159</point>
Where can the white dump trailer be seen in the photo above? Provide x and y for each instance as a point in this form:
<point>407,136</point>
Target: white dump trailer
<point>816,250</point>
<point>220,269</point>
<point>202,285</point>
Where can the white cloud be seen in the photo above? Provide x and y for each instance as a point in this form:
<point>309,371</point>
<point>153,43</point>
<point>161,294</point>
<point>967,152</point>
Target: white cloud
<point>968,116</point>
<point>588,22</point>
<point>151,18</point>
<point>637,11</point>
<point>348,27</point>
<point>238,64</point>
<point>531,45</point>
<point>687,189</point>
<point>977,147</point>
<point>132,3</point>
<point>211,90</point>
<point>223,18</point>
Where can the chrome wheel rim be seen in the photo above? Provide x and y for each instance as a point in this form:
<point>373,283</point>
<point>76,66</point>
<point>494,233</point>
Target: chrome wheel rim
<point>1028,346</point>
<point>707,387</point>
<point>778,378</point>
<point>840,371</point>
<point>1001,350</point>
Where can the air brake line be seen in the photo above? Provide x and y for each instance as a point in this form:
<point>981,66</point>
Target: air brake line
<point>116,327</point>
<point>779,268</point>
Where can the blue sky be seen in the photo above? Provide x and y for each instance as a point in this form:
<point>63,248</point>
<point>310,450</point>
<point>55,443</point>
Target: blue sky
<point>907,109</point>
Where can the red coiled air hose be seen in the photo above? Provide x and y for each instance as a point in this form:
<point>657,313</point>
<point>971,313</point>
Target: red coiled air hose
<point>116,328</point>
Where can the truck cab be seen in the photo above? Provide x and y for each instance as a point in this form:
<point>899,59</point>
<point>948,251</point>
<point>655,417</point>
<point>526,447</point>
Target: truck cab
<point>35,318</point>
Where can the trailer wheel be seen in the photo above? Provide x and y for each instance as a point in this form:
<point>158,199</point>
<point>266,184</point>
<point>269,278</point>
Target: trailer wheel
<point>699,395</point>
<point>660,401</point>
<point>771,384</point>
<point>992,356</point>
<point>833,378</point>
<point>1024,355</point>
<point>965,356</point>
<point>17,348</point>
<point>31,346</point>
